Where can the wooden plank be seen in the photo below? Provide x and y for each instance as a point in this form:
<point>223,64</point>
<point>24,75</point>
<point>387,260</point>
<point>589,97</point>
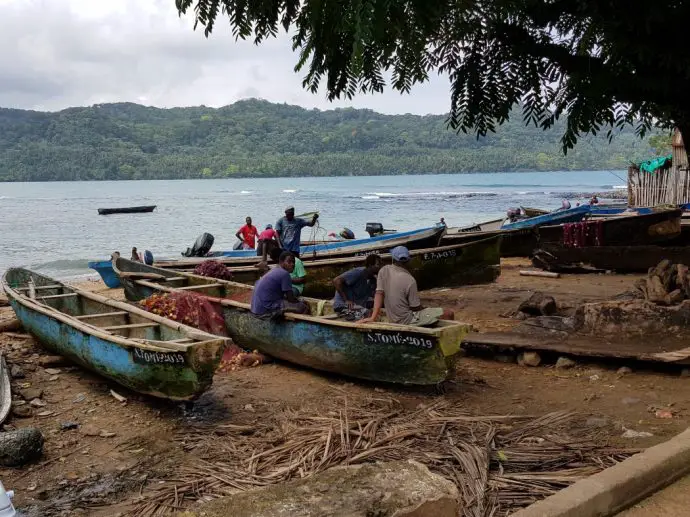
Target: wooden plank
<point>545,274</point>
<point>182,341</point>
<point>131,326</point>
<point>53,296</point>
<point>175,278</point>
<point>40,287</point>
<point>202,286</point>
<point>583,346</point>
<point>100,315</point>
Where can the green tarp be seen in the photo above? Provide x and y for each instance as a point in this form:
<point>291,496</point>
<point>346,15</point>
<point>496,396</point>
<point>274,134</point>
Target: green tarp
<point>655,164</point>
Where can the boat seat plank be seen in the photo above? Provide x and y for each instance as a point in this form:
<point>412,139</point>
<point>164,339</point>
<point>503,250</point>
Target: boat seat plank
<point>100,315</point>
<point>53,296</point>
<point>131,326</point>
<point>41,287</point>
<point>202,286</point>
<point>175,278</point>
<point>181,341</point>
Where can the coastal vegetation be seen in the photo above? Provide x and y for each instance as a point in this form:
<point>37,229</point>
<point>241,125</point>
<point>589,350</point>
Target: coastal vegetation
<point>257,138</point>
<point>598,65</point>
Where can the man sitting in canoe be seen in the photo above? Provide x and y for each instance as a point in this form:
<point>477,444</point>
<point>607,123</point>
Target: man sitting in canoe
<point>397,288</point>
<point>355,289</point>
<point>247,235</point>
<point>273,292</point>
<point>289,230</point>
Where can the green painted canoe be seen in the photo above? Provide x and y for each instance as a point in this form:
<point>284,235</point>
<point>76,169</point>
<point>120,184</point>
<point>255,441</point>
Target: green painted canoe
<point>379,351</point>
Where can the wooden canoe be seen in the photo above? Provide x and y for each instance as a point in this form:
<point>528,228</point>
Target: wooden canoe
<point>624,259</point>
<point>127,210</point>
<point>467,263</point>
<point>141,351</point>
<point>413,240</point>
<point>383,352</point>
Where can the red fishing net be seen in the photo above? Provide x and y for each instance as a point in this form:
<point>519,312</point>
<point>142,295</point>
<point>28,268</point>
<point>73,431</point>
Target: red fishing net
<point>188,308</point>
<point>213,269</point>
<point>579,235</point>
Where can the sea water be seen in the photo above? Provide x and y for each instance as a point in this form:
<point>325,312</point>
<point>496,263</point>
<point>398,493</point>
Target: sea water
<point>54,227</point>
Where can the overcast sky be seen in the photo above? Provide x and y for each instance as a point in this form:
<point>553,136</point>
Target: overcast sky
<point>60,53</point>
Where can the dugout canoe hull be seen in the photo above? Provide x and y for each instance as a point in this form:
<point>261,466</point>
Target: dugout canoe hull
<point>383,352</point>
<point>139,350</point>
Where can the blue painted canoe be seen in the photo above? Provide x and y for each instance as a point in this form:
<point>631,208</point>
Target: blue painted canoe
<point>141,351</point>
<point>384,352</point>
<point>571,215</point>
<point>414,240</point>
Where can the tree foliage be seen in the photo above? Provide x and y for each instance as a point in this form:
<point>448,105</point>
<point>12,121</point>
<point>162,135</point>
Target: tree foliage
<point>603,64</point>
<point>257,138</point>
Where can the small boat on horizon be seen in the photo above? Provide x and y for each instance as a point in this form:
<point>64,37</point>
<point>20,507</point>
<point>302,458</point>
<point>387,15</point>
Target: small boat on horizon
<point>127,210</point>
<point>140,350</point>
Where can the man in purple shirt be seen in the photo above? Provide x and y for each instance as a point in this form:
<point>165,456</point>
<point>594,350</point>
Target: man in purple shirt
<point>273,292</point>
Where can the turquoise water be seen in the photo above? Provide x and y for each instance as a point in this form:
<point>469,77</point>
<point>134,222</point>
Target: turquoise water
<point>55,228</point>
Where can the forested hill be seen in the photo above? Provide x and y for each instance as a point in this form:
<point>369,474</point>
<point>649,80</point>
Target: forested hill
<point>257,138</point>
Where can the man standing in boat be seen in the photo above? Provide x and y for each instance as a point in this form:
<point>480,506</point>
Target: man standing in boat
<point>247,235</point>
<point>355,289</point>
<point>273,292</point>
<point>397,289</point>
<point>289,230</point>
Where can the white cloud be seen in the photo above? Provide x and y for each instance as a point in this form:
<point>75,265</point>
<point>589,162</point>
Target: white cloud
<point>60,53</point>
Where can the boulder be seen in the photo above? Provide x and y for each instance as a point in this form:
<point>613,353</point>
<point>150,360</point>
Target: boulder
<point>529,359</point>
<point>538,304</point>
<point>394,489</point>
<point>565,362</point>
<point>20,446</point>
<point>31,393</point>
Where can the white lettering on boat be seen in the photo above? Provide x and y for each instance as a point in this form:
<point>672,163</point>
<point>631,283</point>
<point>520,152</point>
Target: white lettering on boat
<point>438,255</point>
<point>398,338</point>
<point>147,357</point>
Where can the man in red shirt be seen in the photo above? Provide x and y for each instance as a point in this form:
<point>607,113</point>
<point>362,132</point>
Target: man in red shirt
<point>247,235</point>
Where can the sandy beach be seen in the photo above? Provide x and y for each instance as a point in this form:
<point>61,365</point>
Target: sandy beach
<point>104,457</point>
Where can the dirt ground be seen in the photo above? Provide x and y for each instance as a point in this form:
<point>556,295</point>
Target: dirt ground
<point>100,453</point>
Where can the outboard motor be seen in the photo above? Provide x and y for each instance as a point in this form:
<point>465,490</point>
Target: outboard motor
<point>374,229</point>
<point>201,246</point>
<point>148,258</point>
<point>513,214</point>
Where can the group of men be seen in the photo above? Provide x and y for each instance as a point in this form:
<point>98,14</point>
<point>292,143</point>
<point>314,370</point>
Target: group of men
<point>360,293</point>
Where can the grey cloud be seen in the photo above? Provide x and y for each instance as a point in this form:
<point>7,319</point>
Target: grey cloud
<point>55,54</point>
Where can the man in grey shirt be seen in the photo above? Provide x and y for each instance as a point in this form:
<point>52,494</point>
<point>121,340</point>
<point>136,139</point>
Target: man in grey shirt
<point>397,289</point>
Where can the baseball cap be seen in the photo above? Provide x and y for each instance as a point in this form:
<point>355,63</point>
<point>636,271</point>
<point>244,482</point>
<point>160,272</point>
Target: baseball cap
<point>400,254</point>
<point>269,226</point>
<point>290,209</point>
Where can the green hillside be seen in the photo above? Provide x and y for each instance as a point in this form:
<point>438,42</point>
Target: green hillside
<point>257,138</point>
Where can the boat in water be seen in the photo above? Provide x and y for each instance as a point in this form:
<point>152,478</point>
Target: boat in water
<point>135,348</point>
<point>127,210</point>
<point>413,240</point>
<point>384,352</point>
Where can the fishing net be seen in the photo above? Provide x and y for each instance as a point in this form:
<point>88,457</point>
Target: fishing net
<point>188,308</point>
<point>213,269</point>
<point>579,235</point>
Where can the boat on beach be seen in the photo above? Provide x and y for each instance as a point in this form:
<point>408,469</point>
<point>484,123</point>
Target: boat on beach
<point>570,215</point>
<point>127,210</point>
<point>413,240</point>
<point>623,259</point>
<point>142,351</point>
<point>384,352</point>
<point>466,263</point>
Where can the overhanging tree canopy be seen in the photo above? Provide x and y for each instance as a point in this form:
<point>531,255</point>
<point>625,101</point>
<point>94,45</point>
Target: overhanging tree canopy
<point>603,64</point>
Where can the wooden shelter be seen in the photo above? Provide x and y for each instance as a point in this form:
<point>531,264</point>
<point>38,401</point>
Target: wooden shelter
<point>662,181</point>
